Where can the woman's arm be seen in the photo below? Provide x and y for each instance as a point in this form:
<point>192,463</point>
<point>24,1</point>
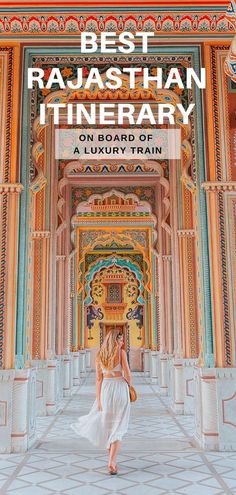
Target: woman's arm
<point>125,366</point>
<point>99,378</point>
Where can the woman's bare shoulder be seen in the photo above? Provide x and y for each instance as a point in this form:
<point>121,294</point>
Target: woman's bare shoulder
<point>123,352</point>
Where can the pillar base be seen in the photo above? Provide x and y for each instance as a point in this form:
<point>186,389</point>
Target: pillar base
<point>82,362</point>
<point>75,367</point>
<point>181,385</point>
<point>17,410</point>
<point>6,406</point>
<point>54,385</point>
<point>67,375</point>
<point>189,401</point>
<point>154,367</point>
<point>163,374</point>
<point>177,402</point>
<point>41,386</point>
<point>215,421</point>
<point>88,359</point>
<point>147,362</point>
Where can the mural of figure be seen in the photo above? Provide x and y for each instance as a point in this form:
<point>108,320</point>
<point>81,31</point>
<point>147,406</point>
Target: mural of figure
<point>93,313</point>
<point>136,314</point>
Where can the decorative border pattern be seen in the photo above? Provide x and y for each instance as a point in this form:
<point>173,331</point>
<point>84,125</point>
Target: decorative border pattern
<point>4,211</point>
<point>215,104</point>
<point>227,349</point>
<point>73,23</point>
<point>36,331</point>
<point>8,115</point>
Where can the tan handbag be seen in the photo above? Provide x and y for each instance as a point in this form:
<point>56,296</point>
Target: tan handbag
<point>132,392</point>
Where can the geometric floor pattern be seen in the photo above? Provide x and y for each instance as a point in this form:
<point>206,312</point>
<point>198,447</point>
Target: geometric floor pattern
<point>158,455</point>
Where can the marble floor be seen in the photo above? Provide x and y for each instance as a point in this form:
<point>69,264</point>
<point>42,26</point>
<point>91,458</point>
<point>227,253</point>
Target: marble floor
<point>158,454</point>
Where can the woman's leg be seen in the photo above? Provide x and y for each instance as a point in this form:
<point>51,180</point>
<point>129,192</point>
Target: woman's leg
<point>115,446</point>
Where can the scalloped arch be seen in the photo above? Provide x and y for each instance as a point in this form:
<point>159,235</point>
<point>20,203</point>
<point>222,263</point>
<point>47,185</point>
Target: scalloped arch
<point>105,263</point>
<point>123,238</point>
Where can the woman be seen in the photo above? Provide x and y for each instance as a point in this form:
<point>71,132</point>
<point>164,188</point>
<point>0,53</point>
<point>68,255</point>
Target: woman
<point>108,418</point>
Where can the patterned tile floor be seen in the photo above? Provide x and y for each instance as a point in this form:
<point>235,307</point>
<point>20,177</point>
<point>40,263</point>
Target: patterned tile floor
<point>158,454</point>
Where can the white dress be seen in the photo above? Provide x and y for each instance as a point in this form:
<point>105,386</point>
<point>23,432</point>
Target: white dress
<point>104,427</point>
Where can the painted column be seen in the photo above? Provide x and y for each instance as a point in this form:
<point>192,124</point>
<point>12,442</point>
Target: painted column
<point>9,214</point>
<point>200,225</point>
<point>52,298</point>
<point>214,195</point>
<point>162,303</point>
<point>80,318</point>
<point>73,347</point>
<point>81,312</point>
<point>41,294</point>
<point>154,299</point>
<point>147,323</point>
<point>167,337</point>
<point>150,317</point>
<point>160,212</point>
<point>175,207</point>
<point>74,297</point>
<point>60,302</point>
<point>157,301</point>
<point>11,192</point>
<point>67,324</point>
<point>167,259</point>
<point>184,280</point>
<point>188,293</point>
<point>52,223</point>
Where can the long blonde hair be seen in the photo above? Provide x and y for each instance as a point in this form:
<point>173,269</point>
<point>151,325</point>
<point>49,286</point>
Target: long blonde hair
<point>107,353</point>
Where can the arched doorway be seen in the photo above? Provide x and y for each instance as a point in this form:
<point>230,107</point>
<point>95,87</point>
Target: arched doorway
<point>114,271</point>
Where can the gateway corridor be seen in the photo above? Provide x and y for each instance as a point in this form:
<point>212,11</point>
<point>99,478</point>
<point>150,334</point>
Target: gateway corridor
<point>158,454</point>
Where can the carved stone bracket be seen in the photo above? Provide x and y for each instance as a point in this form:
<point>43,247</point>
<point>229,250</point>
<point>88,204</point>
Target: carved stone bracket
<point>41,234</point>
<point>11,188</point>
<point>186,233</point>
<point>61,257</point>
<point>167,257</point>
<point>219,186</point>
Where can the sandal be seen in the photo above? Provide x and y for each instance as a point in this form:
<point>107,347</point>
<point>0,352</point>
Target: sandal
<point>112,470</point>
